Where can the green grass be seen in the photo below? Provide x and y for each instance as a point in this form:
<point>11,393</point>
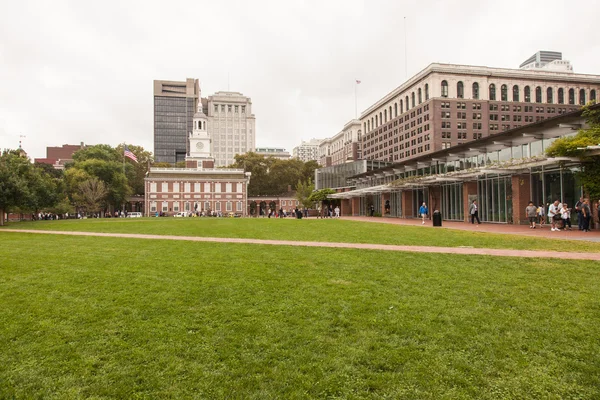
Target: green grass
<point>311,230</point>
<point>88,317</point>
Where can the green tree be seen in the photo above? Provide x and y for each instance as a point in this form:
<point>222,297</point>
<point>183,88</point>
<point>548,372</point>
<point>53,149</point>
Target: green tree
<point>573,147</point>
<point>259,166</point>
<point>136,172</point>
<point>93,193</point>
<point>14,189</point>
<point>304,191</point>
<point>321,196</point>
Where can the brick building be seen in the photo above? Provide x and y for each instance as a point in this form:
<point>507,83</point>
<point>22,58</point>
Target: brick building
<point>59,156</point>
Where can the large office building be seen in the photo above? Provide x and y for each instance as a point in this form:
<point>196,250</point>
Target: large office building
<point>231,126</point>
<point>307,151</point>
<point>446,105</point>
<point>343,147</point>
<point>275,152</point>
<point>175,103</point>
<point>550,60</point>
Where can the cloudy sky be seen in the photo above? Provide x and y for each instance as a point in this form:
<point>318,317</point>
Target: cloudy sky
<point>73,71</point>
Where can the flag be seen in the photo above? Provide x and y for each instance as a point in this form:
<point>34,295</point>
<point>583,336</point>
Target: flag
<point>357,82</point>
<point>129,154</point>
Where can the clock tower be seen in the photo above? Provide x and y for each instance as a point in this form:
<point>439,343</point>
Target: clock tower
<point>198,139</point>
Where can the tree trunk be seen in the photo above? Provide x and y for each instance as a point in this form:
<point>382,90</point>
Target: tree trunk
<point>1,216</point>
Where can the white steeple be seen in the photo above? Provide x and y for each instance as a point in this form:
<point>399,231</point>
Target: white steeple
<point>199,139</point>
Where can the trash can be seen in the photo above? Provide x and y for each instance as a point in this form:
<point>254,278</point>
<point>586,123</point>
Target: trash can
<point>437,218</point>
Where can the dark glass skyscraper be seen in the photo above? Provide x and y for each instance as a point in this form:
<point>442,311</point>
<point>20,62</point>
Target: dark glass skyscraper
<point>174,108</point>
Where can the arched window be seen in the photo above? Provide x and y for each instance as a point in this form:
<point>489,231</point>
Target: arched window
<point>367,126</point>
<point>582,97</point>
<point>384,115</point>
<point>401,107</point>
<point>420,96</point>
<point>444,89</point>
<point>426,91</point>
<point>538,94</point>
<point>571,96</point>
<point>380,118</point>
<point>515,93</point>
<point>460,90</point>
<point>407,104</point>
<point>395,110</point>
<point>527,94</point>
<point>475,90</point>
<point>376,121</point>
<point>492,92</point>
<point>561,96</point>
<point>412,97</point>
<point>549,96</point>
<point>504,93</point>
<point>593,95</point>
<point>390,113</point>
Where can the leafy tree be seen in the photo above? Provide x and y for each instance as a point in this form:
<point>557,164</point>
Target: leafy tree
<point>259,166</point>
<point>98,152</point>
<point>162,165</point>
<point>253,207</point>
<point>93,192</point>
<point>308,170</point>
<point>573,147</point>
<point>304,191</point>
<point>136,172</point>
<point>14,189</point>
<point>320,195</point>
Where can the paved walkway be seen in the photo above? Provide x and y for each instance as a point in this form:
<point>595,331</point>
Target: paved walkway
<point>385,247</point>
<point>524,230</point>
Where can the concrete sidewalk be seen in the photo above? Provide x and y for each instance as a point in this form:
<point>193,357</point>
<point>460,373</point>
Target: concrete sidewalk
<point>524,230</point>
<point>364,246</point>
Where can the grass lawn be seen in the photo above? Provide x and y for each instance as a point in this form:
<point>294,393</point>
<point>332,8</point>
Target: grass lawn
<point>310,230</point>
<point>88,317</point>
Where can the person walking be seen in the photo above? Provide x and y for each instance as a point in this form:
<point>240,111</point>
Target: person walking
<point>474,212</point>
<point>337,211</point>
<point>579,215</point>
<point>586,212</point>
<point>554,215</point>
<point>531,212</point>
<point>372,208</point>
<point>423,212</point>
<point>541,212</point>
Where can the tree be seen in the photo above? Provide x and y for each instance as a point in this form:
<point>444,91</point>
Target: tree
<point>13,181</point>
<point>321,195</point>
<point>93,193</point>
<point>573,147</point>
<point>303,192</point>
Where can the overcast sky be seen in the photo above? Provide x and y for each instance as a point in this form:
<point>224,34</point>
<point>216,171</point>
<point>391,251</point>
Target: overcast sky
<point>73,71</point>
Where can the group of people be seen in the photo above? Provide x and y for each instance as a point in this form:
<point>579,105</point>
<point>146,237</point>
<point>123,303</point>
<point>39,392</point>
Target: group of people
<point>328,212</point>
<point>559,215</point>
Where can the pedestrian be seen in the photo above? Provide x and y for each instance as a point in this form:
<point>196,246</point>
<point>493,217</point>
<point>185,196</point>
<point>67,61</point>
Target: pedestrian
<point>423,212</point>
<point>554,215</point>
<point>541,212</point>
<point>319,213</point>
<point>337,211</point>
<point>372,208</point>
<point>579,215</point>
<point>531,212</point>
<point>586,212</point>
<point>474,212</point>
<point>566,216</point>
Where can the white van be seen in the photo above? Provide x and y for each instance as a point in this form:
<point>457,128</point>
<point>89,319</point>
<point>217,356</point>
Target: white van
<point>134,214</point>
<point>180,214</point>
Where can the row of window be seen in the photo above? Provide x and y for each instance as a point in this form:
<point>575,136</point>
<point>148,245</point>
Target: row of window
<point>198,207</point>
<point>236,109</point>
<point>460,93</point>
<point>197,187</point>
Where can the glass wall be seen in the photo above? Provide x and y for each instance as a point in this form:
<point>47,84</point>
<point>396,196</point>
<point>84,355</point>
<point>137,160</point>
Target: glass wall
<point>495,198</point>
<point>452,202</point>
<point>419,195</point>
<point>396,204</point>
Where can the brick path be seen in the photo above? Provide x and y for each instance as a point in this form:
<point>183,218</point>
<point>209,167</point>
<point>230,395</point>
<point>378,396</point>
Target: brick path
<point>385,247</point>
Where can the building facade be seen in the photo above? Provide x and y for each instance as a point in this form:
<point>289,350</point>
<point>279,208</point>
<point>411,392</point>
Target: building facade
<point>175,103</point>
<point>345,146</point>
<point>59,156</point>
<point>447,105</point>
<point>307,151</point>
<point>196,190</point>
<point>551,60</point>
<point>503,172</point>
<point>231,126</point>
<point>278,153</point>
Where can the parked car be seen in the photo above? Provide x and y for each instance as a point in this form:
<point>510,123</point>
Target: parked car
<point>134,214</point>
<point>180,214</point>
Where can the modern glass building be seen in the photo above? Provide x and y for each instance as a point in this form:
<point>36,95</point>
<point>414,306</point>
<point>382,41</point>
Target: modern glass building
<point>174,107</point>
<point>503,172</point>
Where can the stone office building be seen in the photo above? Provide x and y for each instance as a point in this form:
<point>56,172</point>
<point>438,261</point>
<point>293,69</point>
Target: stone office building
<point>446,105</point>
